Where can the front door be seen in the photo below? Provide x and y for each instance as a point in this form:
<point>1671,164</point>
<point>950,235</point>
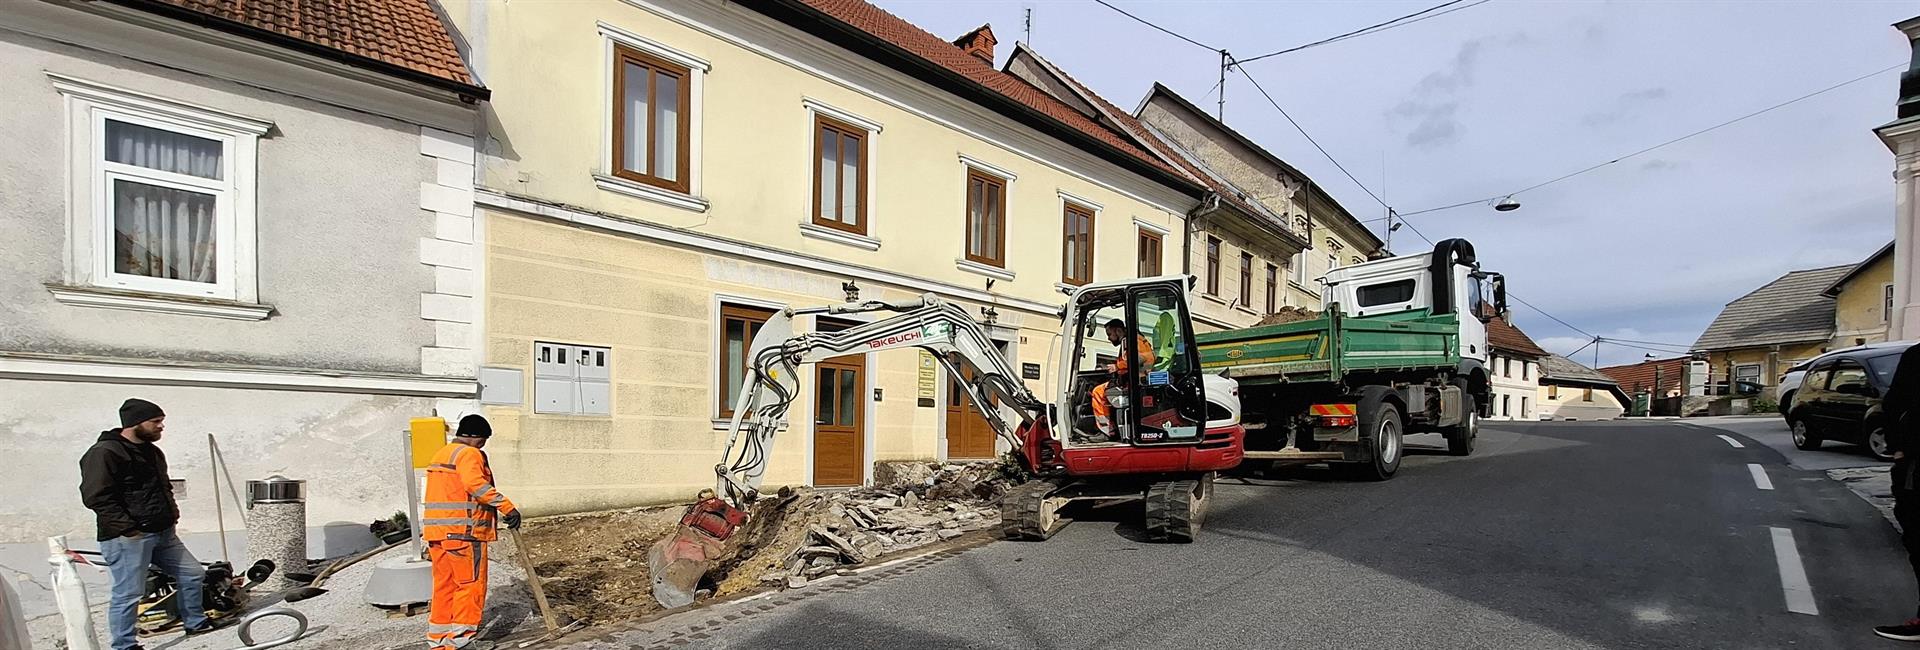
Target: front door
<point>839,417</point>
<point>968,435</point>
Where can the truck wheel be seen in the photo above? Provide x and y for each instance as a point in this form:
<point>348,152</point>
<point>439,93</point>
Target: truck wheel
<point>1381,431</point>
<point>1460,437</point>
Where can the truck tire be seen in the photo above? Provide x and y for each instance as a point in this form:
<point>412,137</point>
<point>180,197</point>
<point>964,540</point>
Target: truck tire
<point>1460,437</point>
<point>1381,432</point>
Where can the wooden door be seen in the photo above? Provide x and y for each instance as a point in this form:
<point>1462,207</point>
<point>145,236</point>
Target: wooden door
<point>968,436</point>
<point>839,419</point>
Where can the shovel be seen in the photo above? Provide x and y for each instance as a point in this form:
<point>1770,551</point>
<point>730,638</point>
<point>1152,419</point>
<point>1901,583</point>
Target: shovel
<point>539,592</point>
<point>312,589</point>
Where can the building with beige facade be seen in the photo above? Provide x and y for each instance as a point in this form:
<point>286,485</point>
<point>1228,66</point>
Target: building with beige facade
<point>1252,266</point>
<point>1863,301</point>
<point>659,177</point>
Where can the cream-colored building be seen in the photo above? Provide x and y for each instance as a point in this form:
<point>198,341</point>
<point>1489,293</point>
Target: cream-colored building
<point>660,176</point>
<point>1863,301</point>
<point>1514,368</point>
<point>1251,266</point>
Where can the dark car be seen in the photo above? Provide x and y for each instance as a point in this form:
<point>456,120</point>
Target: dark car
<point>1839,399</point>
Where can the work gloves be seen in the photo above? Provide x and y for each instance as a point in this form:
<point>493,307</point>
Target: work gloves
<point>511,519</point>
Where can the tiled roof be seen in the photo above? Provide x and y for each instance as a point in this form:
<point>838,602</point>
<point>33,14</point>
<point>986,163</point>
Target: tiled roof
<point>1507,338</point>
<point>1787,310</point>
<point>1833,291</point>
<point>1558,368</point>
<point>406,34</point>
<point>920,43</point>
<point>1640,376</point>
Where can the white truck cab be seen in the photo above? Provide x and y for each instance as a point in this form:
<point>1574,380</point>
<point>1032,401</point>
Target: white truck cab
<point>1405,288</point>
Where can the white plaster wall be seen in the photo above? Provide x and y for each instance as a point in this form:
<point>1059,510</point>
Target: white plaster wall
<point>344,446</point>
<point>1524,382</point>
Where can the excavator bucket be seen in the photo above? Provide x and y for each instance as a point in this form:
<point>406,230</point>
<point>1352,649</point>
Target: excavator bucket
<point>677,564</point>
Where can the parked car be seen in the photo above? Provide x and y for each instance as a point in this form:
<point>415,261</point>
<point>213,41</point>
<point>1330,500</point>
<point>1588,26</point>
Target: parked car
<point>1839,398</point>
<point>1790,382</point>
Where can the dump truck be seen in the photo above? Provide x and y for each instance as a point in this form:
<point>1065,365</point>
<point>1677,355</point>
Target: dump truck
<point>1400,347</point>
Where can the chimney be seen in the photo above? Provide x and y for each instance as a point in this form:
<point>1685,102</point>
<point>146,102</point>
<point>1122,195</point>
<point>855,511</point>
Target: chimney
<point>1909,104</point>
<point>978,43</point>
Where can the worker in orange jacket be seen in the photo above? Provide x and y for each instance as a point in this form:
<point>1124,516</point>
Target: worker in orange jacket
<point>1102,409</point>
<point>459,518</point>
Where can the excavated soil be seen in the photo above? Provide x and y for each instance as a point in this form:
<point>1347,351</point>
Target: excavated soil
<point>594,566</point>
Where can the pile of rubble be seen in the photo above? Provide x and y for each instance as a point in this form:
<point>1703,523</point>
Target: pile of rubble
<point>1288,314</point>
<point>910,505</point>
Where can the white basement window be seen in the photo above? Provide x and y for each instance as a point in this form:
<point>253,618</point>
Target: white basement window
<point>571,379</point>
<point>163,195</point>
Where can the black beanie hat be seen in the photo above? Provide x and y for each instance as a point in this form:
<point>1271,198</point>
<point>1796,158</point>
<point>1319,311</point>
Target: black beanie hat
<point>474,426</point>
<point>136,410</point>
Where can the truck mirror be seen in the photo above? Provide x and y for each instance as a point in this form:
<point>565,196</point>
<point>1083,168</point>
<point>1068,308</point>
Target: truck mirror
<point>1499,293</point>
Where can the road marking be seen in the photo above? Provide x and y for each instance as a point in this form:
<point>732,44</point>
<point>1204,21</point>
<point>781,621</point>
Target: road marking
<point>1793,576</point>
<point>1731,442</point>
<point>1760,479</point>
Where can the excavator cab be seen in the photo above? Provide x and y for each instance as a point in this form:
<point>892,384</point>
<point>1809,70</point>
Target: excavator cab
<point>1134,377</point>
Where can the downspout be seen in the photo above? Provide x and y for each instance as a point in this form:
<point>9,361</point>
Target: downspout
<point>1207,206</point>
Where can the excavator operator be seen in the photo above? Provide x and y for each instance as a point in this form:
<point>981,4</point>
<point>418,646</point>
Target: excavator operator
<point>1102,409</point>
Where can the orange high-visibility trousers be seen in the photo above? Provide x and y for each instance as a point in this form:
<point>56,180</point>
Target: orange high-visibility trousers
<point>1102,410</point>
<point>459,592</point>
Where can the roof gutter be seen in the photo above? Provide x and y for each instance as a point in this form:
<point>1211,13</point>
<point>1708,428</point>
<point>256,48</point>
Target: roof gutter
<point>468,92</point>
<point>798,14</point>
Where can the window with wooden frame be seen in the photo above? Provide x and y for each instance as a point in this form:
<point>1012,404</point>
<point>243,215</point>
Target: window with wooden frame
<point>986,218</point>
<point>1076,247</point>
<point>1273,288</point>
<point>1148,251</point>
<point>738,325</point>
<point>1246,280</point>
<point>839,175</point>
<point>651,111</point>
<point>1213,266</point>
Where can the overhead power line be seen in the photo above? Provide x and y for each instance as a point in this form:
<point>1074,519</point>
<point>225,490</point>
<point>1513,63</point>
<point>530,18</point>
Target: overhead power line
<point>1149,23</point>
<point>1373,29</point>
<point>1309,137</point>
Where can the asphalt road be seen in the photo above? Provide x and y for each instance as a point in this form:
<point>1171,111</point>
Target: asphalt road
<point>1553,535</point>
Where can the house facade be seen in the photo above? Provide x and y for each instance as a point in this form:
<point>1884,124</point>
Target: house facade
<point>1514,370</point>
<point>1570,391</point>
<point>1255,265</point>
<point>260,232</point>
<point>1863,301</point>
<point>659,177</point>
<point>1759,335</point>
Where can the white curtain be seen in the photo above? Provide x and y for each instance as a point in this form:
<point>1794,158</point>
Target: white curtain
<point>163,232</point>
<point>166,151</point>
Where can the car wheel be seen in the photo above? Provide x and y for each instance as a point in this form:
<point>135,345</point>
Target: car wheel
<point>1805,437</point>
<point>1877,444</point>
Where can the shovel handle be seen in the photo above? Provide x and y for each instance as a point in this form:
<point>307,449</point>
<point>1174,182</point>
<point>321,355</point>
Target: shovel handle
<point>533,580</point>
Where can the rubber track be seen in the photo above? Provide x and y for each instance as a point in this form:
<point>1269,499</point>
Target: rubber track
<point>1169,506</point>
<point>1020,512</point>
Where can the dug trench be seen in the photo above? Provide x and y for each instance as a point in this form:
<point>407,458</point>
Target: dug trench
<point>594,565</point>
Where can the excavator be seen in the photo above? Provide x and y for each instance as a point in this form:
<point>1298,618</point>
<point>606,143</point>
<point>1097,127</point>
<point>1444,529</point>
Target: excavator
<point>1164,431</point>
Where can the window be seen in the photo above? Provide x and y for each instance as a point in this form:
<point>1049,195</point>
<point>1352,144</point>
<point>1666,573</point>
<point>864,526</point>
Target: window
<point>1817,378</point>
<point>1526,370</point>
<point>986,218</point>
<point>1333,262</point>
<point>1299,265</point>
<point>839,175</point>
<point>1386,293</point>
<point>1246,280</point>
<point>570,379</point>
<point>1506,367</point>
<point>1076,247</point>
<point>1506,404</point>
<point>1213,266</point>
<point>650,119</point>
<point>738,325</point>
<point>1746,373</point>
<point>1149,253</point>
<point>1849,378</point>
<point>1523,407</point>
<point>1883,366</point>
<point>1273,288</point>
<point>1586,394</point>
<point>1886,303</point>
<point>1553,392</point>
<point>162,194</point>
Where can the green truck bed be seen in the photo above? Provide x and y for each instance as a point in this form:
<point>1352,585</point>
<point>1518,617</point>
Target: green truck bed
<point>1326,349</point>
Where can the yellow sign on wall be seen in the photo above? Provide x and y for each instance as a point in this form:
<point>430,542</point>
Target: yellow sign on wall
<point>929,378</point>
<point>429,435</point>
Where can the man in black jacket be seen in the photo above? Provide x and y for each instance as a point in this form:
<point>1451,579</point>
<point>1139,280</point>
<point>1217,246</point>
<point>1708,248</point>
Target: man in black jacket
<point>1901,410</point>
<point>123,480</point>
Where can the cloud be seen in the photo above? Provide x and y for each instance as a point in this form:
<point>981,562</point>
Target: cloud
<point>1624,106</point>
<point>1659,164</point>
<point>1432,109</point>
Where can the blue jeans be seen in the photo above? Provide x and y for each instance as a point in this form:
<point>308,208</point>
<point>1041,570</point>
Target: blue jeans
<point>127,562</point>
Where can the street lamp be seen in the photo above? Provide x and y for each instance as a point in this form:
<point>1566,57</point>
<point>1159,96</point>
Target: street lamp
<point>1507,204</point>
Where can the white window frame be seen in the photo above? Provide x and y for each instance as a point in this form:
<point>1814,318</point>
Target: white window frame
<point>89,203</point>
<point>588,387</point>
<point>1886,303</point>
<point>697,69</point>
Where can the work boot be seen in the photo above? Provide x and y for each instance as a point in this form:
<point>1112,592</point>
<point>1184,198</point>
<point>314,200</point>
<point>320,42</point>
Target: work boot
<point>1908,631</point>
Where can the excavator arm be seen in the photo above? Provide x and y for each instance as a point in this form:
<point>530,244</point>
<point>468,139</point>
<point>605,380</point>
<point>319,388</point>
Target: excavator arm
<point>959,343</point>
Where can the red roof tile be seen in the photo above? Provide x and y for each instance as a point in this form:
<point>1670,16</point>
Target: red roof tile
<point>1638,377</point>
<point>919,42</point>
<point>403,33</point>
<point>1503,336</point>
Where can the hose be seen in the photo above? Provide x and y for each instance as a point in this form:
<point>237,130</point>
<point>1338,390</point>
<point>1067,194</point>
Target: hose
<point>246,625</point>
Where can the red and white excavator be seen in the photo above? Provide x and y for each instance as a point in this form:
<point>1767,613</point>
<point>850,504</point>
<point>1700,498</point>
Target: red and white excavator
<point>1167,427</point>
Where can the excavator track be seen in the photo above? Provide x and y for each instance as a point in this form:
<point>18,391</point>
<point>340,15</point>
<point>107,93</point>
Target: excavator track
<point>1028,513</point>
<point>1175,509</point>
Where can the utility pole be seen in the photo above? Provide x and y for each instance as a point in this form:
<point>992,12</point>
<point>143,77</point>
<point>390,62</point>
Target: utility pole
<point>1029,27</point>
<point>1220,113</point>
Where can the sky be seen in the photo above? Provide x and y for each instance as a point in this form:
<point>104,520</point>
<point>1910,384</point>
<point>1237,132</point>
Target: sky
<point>1500,96</point>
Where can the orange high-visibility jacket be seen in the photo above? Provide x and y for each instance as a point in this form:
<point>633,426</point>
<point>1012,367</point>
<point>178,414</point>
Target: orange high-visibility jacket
<point>1146,356</point>
<point>461,502</point>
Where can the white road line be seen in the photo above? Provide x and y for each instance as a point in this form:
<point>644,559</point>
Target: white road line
<point>1793,576</point>
<point>1760,479</point>
<point>1731,442</point>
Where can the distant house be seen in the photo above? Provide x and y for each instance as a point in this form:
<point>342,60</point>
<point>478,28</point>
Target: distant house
<point>1759,335</point>
<point>1863,301</point>
<point>1570,391</point>
<point>1515,368</point>
<point>1657,377</point>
